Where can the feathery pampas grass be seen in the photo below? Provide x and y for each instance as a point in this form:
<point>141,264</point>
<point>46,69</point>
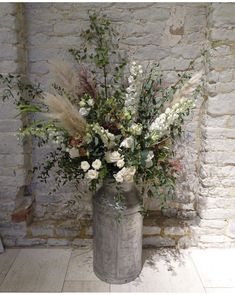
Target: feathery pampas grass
<point>65,75</point>
<point>75,81</point>
<point>62,110</point>
<point>188,88</point>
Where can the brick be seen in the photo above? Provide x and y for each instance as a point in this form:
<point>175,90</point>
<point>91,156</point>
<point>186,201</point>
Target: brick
<point>82,242</point>
<point>231,229</point>
<point>217,224</point>
<point>67,233</point>
<point>214,239</point>
<point>158,242</point>
<point>57,242</point>
<point>10,125</point>
<point>30,242</point>
<point>222,104</point>
<point>216,213</point>
<point>42,230</point>
<point>15,230</point>
<point>9,66</point>
<point>22,214</point>
<point>223,14</point>
<point>8,52</point>
<point>151,230</point>
<point>174,231</point>
<point>8,111</point>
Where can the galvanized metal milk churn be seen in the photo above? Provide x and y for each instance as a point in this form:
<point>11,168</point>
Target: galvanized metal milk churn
<point>117,227</point>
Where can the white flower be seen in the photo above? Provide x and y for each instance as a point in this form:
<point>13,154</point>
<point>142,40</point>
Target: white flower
<point>130,79</point>
<point>150,156</point>
<point>90,102</point>
<point>148,160</point>
<point>129,89</point>
<point>128,142</point>
<point>111,136</point>
<point>136,129</point>
<point>82,103</point>
<point>176,105</point>
<point>118,177</point>
<point>96,164</point>
<point>84,112</point>
<point>107,137</point>
<point>85,166</point>
<point>120,163</point>
<point>112,157</point>
<point>88,138</point>
<point>92,174</point>
<point>148,163</point>
<point>126,174</point>
<point>167,111</point>
<point>73,153</point>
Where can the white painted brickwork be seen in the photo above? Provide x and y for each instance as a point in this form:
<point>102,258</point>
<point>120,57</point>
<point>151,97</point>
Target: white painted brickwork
<point>171,33</point>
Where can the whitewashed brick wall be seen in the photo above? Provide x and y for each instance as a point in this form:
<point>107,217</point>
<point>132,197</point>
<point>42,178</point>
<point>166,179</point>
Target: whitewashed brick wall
<point>173,34</point>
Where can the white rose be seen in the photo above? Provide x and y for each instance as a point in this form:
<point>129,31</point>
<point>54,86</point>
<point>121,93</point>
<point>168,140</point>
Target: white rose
<point>118,177</point>
<point>129,173</point>
<point>83,112</point>
<point>96,164</point>
<point>90,102</point>
<point>73,153</point>
<point>126,174</point>
<point>128,142</point>
<point>92,174</point>
<point>148,163</point>
<point>112,157</point>
<point>120,163</point>
<point>85,166</point>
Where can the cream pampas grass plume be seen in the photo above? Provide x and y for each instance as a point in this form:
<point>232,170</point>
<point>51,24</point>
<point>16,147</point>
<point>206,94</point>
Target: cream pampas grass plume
<point>62,110</point>
<point>187,90</point>
<point>65,75</point>
<point>75,81</point>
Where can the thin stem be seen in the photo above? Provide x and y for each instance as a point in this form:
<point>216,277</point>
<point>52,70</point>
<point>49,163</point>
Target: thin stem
<point>105,82</point>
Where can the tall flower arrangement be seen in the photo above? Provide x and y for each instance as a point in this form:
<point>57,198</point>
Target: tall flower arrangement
<point>102,123</point>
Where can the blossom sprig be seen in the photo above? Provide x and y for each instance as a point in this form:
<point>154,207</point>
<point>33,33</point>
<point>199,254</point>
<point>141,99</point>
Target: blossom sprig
<point>133,91</point>
<point>86,103</point>
<point>107,137</point>
<point>171,117</point>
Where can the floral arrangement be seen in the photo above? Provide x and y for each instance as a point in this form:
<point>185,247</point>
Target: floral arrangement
<point>107,118</point>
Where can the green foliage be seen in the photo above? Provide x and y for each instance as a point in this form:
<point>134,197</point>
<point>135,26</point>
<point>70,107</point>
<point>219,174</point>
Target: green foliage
<point>20,91</point>
<point>100,49</point>
<point>102,101</point>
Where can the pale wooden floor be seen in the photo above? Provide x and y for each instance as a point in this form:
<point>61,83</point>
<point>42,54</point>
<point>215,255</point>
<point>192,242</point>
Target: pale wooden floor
<point>193,270</point>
